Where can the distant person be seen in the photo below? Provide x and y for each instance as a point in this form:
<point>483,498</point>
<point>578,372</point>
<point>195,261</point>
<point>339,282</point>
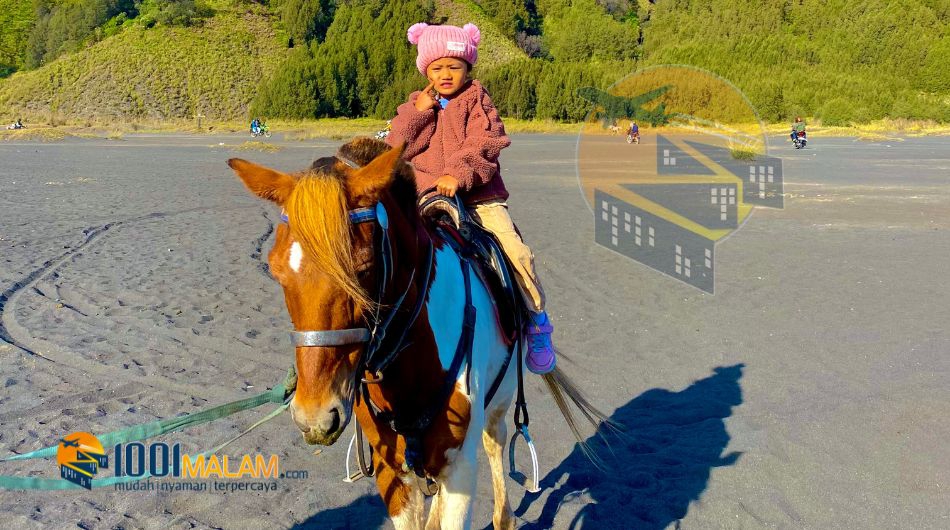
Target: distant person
<point>255,125</point>
<point>797,127</point>
<point>453,137</point>
<point>634,129</point>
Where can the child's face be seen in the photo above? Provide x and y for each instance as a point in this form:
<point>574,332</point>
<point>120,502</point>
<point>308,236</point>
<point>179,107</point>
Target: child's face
<point>448,75</point>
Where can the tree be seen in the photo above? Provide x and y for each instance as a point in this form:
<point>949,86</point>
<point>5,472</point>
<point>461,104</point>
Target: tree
<point>292,92</point>
<point>64,27</point>
<point>307,19</point>
<point>584,32</point>
<point>363,66</point>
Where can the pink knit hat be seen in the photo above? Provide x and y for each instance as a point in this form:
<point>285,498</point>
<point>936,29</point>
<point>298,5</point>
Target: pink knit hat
<point>436,42</point>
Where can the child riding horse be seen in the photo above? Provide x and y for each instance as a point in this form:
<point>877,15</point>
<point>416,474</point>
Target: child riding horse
<point>454,136</point>
<point>381,311</point>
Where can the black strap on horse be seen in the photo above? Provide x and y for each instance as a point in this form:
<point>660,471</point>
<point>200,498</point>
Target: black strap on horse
<point>493,389</point>
<point>487,249</point>
<point>366,470</point>
<point>378,355</point>
<point>413,429</point>
<point>372,360</point>
<point>521,406</point>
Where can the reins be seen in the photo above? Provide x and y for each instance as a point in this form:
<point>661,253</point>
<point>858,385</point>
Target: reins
<point>379,353</point>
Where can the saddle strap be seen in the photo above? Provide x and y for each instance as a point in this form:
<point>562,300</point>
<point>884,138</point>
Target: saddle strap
<point>493,389</point>
<point>376,364</point>
<point>413,430</point>
<point>494,259</point>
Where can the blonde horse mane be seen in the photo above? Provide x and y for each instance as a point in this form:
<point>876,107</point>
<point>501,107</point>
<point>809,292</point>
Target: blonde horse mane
<point>319,221</point>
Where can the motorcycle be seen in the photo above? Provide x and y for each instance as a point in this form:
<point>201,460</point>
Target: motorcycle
<point>15,126</point>
<point>381,135</point>
<point>263,130</point>
<point>800,140</point>
<point>633,138</point>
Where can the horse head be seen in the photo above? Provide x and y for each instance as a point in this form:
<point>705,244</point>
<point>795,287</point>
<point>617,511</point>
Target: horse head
<point>325,260</point>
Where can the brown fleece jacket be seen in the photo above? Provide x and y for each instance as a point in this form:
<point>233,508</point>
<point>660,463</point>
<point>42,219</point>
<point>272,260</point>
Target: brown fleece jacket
<point>463,140</point>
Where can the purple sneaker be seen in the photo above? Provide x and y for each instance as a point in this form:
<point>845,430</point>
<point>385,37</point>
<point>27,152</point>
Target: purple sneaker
<point>541,358</point>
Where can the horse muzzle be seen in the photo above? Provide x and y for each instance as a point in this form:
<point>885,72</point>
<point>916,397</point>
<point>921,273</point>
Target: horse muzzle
<point>323,427</point>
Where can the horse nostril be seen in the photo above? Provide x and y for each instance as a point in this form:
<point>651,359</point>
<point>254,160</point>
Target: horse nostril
<point>334,420</point>
<point>325,424</point>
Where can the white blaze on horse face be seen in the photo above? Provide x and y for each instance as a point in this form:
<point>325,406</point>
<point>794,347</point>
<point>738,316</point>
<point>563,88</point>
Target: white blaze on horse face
<point>296,256</point>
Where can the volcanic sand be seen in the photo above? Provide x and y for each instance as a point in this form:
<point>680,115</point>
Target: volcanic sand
<point>811,391</point>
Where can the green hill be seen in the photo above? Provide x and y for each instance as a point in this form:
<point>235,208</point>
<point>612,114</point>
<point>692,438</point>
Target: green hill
<point>497,48</point>
<point>156,73</point>
<point>840,60</point>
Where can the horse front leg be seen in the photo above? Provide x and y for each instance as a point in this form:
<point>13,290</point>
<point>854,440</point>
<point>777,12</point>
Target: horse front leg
<point>493,438</point>
<point>404,500</point>
<point>457,491</point>
<point>435,512</point>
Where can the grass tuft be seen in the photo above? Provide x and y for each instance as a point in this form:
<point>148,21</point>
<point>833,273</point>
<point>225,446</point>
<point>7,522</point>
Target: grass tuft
<point>263,147</point>
<point>46,134</point>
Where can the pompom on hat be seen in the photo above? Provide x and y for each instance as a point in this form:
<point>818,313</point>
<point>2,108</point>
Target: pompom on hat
<point>436,42</point>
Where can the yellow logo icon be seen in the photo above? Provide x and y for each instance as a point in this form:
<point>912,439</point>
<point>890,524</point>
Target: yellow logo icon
<point>80,455</point>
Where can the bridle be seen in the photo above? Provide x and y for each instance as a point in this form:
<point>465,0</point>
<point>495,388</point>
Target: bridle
<point>375,358</point>
<point>379,352</point>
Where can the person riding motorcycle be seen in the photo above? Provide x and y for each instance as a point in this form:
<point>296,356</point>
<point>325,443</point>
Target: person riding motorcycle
<point>633,133</point>
<point>798,127</point>
<point>255,125</point>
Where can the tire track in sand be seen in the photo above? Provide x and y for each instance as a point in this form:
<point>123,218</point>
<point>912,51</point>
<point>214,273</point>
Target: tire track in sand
<point>13,333</point>
<point>8,296</point>
<point>258,253</point>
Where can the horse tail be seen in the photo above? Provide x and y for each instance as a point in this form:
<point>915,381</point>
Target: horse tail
<point>565,391</point>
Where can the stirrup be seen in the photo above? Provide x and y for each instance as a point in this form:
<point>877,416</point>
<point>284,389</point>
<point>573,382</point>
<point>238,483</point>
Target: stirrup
<point>517,476</point>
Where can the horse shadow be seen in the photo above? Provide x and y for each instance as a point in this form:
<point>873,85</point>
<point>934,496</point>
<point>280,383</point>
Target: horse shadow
<point>367,511</point>
<point>655,468</point>
<point>652,471</point>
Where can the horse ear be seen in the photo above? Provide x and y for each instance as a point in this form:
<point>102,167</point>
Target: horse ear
<point>264,182</point>
<point>378,175</point>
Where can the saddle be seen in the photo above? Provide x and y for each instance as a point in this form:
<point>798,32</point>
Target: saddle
<point>451,224</point>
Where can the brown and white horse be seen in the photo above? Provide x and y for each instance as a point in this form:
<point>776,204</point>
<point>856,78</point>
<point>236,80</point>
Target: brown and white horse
<point>326,257</point>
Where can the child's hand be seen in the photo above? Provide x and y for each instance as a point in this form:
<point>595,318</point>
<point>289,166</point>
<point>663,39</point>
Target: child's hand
<point>447,185</point>
<point>425,101</point>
